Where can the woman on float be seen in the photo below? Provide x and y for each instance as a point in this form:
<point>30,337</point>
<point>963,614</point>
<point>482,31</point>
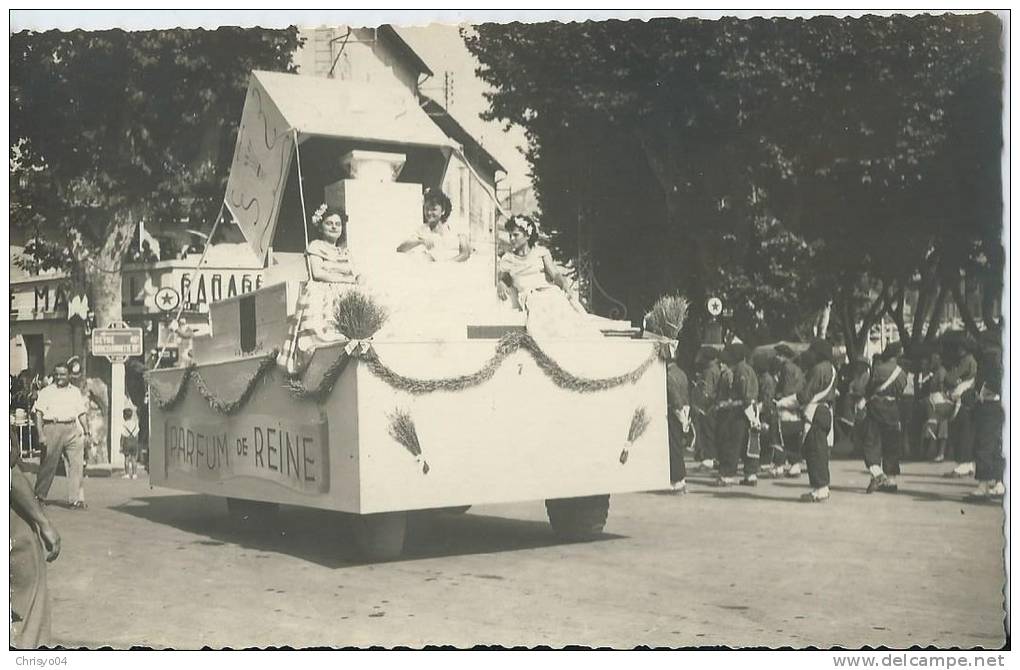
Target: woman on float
<point>331,275</point>
<point>435,236</point>
<point>542,291</point>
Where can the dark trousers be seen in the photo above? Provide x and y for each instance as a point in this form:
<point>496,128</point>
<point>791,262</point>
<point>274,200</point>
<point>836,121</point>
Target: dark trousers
<point>678,441</point>
<point>816,447</point>
<point>705,428</point>
<point>989,463</point>
<point>733,436</point>
<point>793,440</point>
<point>961,435</point>
<point>883,439</point>
<point>772,444</point>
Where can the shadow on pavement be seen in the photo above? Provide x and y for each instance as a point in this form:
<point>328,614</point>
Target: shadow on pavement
<point>327,538</point>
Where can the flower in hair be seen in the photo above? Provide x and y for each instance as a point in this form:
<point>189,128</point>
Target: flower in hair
<point>317,215</point>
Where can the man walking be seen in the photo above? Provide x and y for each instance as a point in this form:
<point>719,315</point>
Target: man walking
<point>883,432</point>
<point>60,417</point>
<point>815,400</point>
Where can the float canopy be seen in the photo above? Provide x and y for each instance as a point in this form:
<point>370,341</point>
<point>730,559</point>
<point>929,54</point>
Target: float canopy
<point>279,104</point>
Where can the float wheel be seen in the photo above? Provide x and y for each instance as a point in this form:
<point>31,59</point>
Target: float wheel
<point>578,519</point>
<point>380,537</point>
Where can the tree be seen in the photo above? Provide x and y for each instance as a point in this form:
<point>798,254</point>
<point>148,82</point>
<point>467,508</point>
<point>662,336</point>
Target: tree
<point>787,164</point>
<point>111,128</point>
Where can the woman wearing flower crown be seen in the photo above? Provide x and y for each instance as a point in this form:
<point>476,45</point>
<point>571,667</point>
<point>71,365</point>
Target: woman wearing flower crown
<point>331,275</point>
<point>542,291</point>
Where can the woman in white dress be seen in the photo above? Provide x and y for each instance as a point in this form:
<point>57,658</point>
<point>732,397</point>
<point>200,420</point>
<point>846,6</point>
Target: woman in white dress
<point>435,237</point>
<point>542,290</point>
<point>331,275</point>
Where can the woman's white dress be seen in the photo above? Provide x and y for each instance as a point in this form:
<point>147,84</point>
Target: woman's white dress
<point>314,322</point>
<point>551,314</point>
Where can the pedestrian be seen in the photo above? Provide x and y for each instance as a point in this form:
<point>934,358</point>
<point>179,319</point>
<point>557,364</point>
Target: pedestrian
<point>705,397</point>
<point>33,542</point>
<point>789,382</point>
<point>883,433</point>
<point>961,371</point>
<point>681,432</point>
<point>60,416</point>
<point>815,400</point>
<point>129,444</point>
<point>740,430</point>
<point>989,420</point>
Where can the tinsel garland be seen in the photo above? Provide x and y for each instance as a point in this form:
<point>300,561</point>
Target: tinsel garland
<point>223,407</point>
<point>506,346</point>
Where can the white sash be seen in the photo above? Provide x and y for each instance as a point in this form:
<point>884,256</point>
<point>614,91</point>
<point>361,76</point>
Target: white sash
<point>787,407</point>
<point>812,407</point>
<point>893,377</point>
<point>957,395</point>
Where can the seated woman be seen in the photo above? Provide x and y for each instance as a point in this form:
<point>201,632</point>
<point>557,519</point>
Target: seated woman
<point>331,275</point>
<point>541,289</point>
<point>435,236</point>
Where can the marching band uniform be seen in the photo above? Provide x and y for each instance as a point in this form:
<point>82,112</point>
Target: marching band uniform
<point>705,398</point>
<point>815,400</point>
<point>791,426</point>
<point>883,432</point>
<point>773,457</point>
<point>989,418</point>
<point>959,389</point>
<point>739,416</point>
<point>678,403</point>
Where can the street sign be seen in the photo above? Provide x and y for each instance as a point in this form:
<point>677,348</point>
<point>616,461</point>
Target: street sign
<point>714,306</point>
<point>167,299</point>
<point>117,343</point>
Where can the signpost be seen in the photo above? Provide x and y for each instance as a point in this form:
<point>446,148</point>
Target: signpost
<point>117,342</point>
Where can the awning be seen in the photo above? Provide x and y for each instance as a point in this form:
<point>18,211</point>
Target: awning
<point>277,104</point>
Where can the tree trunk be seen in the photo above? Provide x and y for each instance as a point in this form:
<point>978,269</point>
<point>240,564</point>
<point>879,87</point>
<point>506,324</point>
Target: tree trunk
<point>961,304</point>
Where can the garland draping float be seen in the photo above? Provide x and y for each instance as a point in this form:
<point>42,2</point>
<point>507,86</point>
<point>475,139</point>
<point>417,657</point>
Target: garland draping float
<point>638,424</point>
<point>218,405</point>
<point>363,351</point>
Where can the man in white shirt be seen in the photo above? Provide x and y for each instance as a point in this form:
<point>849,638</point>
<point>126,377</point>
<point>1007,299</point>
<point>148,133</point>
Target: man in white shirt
<point>60,418</point>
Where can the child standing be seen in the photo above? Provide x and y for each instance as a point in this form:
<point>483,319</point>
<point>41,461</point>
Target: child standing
<point>129,444</point>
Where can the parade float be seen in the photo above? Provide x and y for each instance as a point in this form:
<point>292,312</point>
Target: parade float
<point>448,402</point>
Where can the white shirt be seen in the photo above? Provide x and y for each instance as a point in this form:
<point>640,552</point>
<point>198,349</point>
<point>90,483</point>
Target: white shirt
<point>60,404</point>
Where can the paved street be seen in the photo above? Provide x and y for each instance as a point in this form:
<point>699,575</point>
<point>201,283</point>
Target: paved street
<point>749,567</point>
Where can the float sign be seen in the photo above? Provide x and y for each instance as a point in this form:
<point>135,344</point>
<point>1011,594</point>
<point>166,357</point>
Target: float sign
<point>250,446</point>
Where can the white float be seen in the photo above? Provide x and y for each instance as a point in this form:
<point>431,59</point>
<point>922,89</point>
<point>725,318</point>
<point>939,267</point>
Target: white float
<point>494,416</point>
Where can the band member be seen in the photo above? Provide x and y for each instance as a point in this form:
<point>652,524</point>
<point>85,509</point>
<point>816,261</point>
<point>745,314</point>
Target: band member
<point>789,382</point>
<point>989,418</point>
<point>883,433</point>
<point>959,388</point>
<point>681,431</point>
<point>705,397</point>
<point>815,400</point>
<point>773,456</point>
<point>741,426</point>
